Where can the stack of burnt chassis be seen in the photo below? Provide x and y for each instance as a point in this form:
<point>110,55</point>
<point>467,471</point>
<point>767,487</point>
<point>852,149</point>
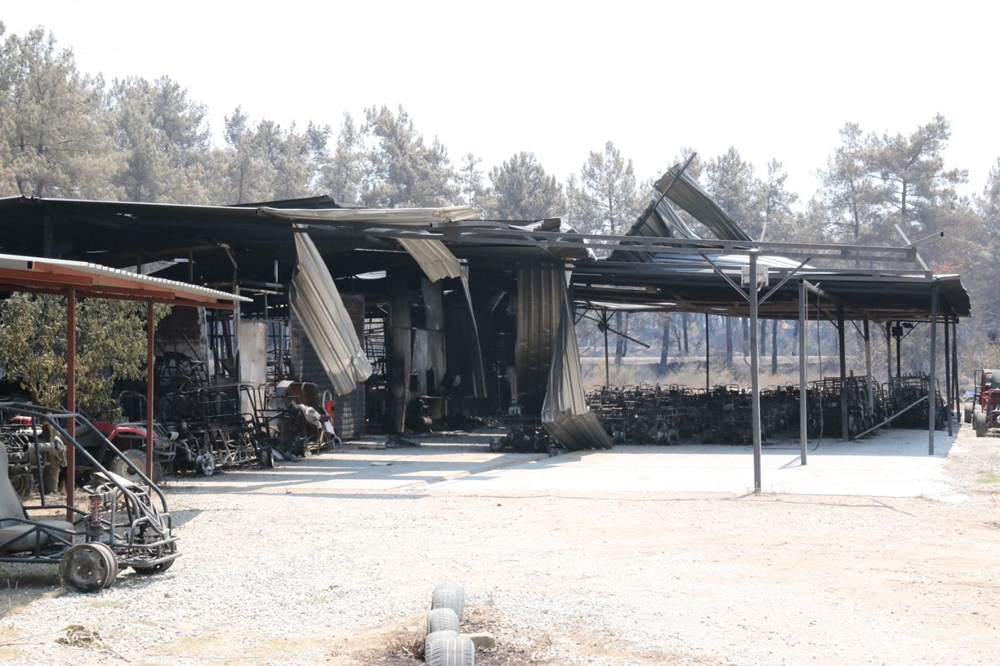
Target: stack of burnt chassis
<point>646,414</point>
<point>216,427</point>
<point>196,430</point>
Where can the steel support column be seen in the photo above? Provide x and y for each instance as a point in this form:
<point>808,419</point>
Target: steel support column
<point>70,400</point>
<point>607,360</point>
<point>947,373</point>
<point>803,407</point>
<point>844,417</point>
<point>150,387</point>
<point>888,353</point>
<point>708,356</point>
<point>932,379</point>
<point>868,366</point>
<point>754,373</point>
<point>400,341</point>
<point>954,365</point>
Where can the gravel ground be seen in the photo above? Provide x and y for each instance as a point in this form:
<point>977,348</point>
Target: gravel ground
<point>279,567</point>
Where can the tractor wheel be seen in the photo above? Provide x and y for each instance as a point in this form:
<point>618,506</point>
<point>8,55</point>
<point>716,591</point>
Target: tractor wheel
<point>137,458</point>
<point>979,419</point>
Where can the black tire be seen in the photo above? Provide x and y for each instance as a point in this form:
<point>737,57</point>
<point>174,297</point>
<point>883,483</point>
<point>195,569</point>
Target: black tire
<point>449,595</point>
<point>111,560</point>
<point>85,567</point>
<point>265,458</point>
<point>138,458</point>
<point>206,463</point>
<point>979,419</point>
<point>150,570</point>
<point>24,485</point>
<point>441,619</point>
<point>451,651</point>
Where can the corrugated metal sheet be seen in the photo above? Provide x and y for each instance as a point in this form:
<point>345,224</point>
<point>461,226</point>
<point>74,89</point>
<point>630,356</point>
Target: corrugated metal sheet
<point>539,307</point>
<point>478,371</point>
<point>317,303</point>
<point>99,277</point>
<point>565,414</point>
<point>578,431</point>
<point>658,220</point>
<point>436,260</point>
<point>687,194</point>
<point>388,216</point>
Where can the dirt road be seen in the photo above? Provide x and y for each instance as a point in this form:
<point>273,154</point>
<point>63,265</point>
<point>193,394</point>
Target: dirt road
<point>286,568</point>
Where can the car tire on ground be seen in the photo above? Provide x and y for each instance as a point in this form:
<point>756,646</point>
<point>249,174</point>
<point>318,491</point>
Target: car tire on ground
<point>441,619</point>
<point>450,651</point>
<point>979,419</point>
<point>449,595</point>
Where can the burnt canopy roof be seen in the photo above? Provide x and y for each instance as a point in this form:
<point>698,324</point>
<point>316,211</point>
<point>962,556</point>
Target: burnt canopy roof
<point>661,264</point>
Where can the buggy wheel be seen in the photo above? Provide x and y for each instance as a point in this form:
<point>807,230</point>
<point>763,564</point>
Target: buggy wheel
<point>449,595</point>
<point>979,419</point>
<point>205,463</point>
<point>265,458</point>
<point>23,485</point>
<point>110,559</point>
<point>151,569</point>
<point>88,567</point>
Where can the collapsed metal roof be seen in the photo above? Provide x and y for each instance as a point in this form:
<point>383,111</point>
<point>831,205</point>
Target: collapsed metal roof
<point>661,264</point>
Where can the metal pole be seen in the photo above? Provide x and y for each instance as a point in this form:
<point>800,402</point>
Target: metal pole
<point>954,364</point>
<point>708,356</point>
<point>607,363</point>
<point>868,366</point>
<point>844,415</point>
<point>888,357</point>
<point>932,380</point>
<point>150,383</point>
<point>70,400</point>
<point>754,373</point>
<point>236,327</point>
<point>803,411</point>
<point>947,373</point>
<point>899,342</point>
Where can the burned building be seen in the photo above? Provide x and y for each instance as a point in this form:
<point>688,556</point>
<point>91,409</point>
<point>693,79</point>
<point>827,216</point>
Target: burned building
<point>413,316</point>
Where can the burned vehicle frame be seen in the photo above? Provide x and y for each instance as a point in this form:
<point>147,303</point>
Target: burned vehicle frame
<point>126,523</point>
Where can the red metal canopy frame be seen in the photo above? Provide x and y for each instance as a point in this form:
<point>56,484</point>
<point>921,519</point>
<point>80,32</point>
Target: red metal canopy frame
<point>77,279</point>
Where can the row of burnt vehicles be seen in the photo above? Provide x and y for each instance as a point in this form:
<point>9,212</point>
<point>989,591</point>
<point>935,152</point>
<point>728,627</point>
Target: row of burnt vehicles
<point>120,517</point>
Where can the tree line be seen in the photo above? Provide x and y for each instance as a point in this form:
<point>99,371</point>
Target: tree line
<point>66,133</point>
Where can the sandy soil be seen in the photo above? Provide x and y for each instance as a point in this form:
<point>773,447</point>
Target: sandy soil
<point>559,578</point>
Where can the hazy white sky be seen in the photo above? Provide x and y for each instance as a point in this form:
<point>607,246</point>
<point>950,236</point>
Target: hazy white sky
<point>774,79</point>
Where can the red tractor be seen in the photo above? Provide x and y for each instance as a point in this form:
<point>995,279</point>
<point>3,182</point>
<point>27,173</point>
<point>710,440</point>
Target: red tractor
<point>986,402</point>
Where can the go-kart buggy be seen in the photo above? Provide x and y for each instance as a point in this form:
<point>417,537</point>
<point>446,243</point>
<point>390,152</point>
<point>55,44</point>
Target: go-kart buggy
<point>124,522</point>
